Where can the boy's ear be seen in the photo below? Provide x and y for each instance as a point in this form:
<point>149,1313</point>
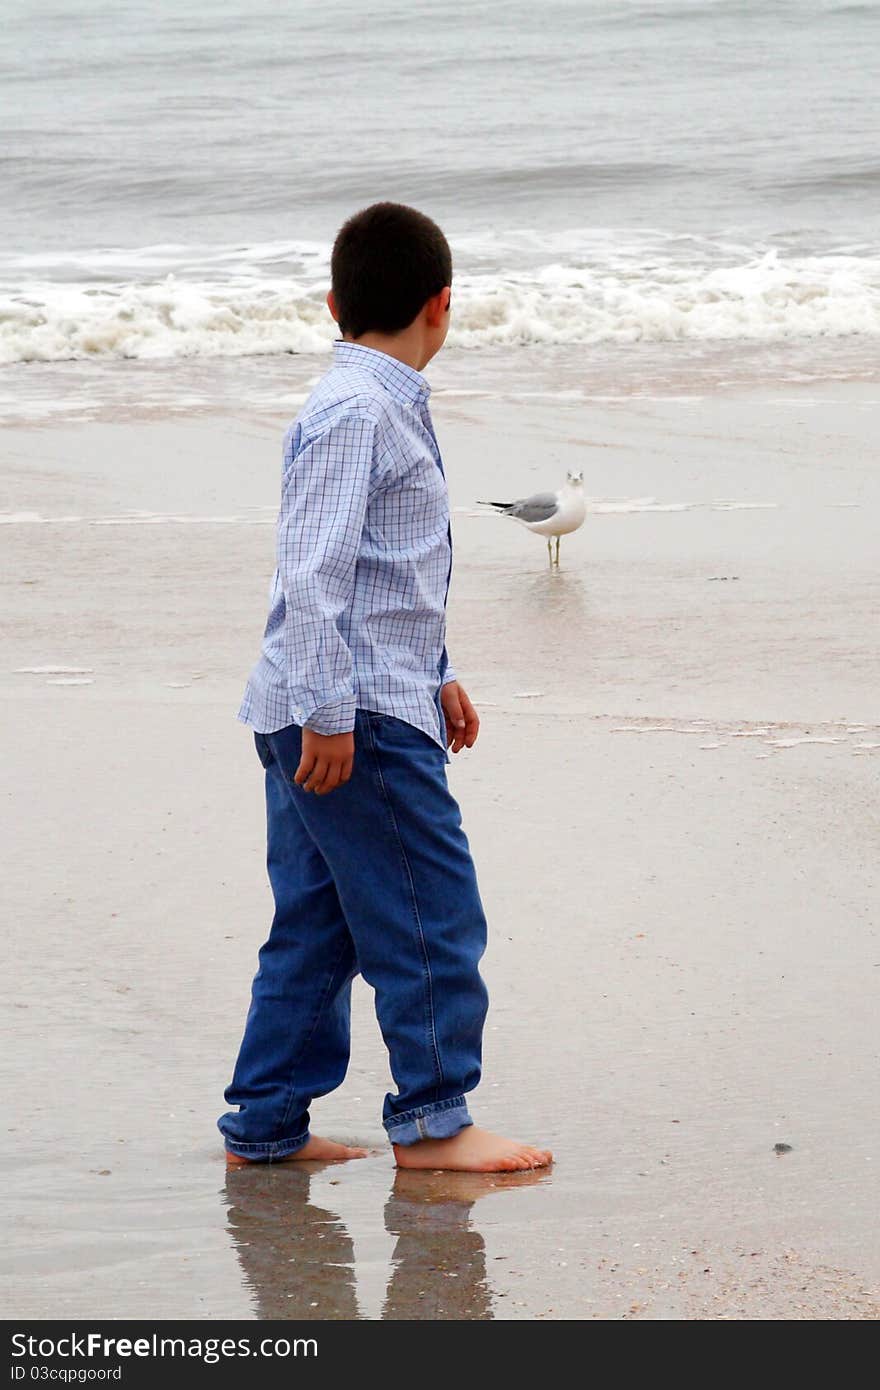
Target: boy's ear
<point>438,306</point>
<point>331,305</point>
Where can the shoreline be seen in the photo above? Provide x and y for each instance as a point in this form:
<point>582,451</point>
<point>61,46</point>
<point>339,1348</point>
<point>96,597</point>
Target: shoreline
<point>104,389</point>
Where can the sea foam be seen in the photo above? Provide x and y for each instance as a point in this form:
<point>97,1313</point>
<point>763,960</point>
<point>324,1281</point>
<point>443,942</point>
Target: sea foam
<point>173,301</point>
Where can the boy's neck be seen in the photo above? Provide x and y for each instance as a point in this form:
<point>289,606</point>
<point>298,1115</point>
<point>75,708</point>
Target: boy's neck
<point>407,347</point>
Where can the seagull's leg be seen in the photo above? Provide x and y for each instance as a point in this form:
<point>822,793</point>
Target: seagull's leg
<point>558,539</point>
<point>550,548</point>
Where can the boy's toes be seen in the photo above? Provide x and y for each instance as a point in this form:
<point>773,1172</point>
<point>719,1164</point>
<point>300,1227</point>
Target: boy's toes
<point>516,1162</point>
<point>526,1157</point>
<point>537,1158</point>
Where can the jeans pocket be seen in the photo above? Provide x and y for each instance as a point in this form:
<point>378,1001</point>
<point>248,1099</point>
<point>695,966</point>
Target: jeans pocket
<point>392,732</point>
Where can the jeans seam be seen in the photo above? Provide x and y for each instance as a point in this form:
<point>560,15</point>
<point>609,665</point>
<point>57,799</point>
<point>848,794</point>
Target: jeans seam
<point>311,1033</point>
<point>322,1003</point>
<point>412,888</point>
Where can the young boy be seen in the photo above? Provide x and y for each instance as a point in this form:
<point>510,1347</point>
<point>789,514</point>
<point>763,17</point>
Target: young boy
<point>353,704</point>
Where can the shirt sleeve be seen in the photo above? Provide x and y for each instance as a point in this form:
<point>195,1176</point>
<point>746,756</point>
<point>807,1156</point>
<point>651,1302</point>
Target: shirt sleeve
<point>449,674</point>
<point>323,506</point>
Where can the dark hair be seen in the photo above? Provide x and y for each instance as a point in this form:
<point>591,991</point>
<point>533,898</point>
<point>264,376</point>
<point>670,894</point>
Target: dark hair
<point>387,261</point>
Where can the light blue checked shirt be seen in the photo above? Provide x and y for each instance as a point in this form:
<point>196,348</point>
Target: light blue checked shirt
<point>357,603</point>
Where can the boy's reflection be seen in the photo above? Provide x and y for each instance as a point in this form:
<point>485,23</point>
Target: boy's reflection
<point>297,1258</point>
<point>439,1260</point>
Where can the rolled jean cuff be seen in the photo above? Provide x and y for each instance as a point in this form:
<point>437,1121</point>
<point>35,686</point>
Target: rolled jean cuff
<point>439,1121</point>
<point>266,1153</point>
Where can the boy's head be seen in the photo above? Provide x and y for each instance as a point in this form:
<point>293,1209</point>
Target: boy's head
<point>390,265</point>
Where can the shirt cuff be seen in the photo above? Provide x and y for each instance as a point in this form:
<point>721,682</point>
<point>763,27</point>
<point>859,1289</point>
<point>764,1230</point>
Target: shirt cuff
<point>335,717</point>
<point>448,676</point>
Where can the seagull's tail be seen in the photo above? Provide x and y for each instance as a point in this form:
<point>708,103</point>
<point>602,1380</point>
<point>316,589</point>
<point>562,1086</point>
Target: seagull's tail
<point>502,506</point>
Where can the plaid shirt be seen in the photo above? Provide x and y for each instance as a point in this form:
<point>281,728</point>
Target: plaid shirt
<point>357,604</point>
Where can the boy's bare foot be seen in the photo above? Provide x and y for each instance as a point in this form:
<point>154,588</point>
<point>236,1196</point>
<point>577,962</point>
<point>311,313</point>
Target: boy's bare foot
<point>314,1149</point>
<point>472,1150</point>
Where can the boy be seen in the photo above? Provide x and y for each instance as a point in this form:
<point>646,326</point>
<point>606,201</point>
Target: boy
<point>353,704</point>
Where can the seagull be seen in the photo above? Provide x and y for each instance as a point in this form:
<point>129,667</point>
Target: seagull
<point>549,513</point>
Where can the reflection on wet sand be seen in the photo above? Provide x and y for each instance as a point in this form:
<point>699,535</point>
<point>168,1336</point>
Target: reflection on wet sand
<point>439,1262</point>
<point>547,623</point>
<point>298,1259</point>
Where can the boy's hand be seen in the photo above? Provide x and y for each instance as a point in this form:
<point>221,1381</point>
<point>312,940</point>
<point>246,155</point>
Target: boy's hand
<point>326,761</point>
<point>462,720</point>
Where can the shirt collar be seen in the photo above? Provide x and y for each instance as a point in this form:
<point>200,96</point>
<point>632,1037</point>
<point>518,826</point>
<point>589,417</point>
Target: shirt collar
<point>402,381</point>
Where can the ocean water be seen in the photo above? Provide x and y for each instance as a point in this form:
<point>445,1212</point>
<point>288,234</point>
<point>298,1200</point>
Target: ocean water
<point>661,190</point>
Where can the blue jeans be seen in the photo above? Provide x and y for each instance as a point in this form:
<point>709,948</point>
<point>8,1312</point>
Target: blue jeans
<point>374,878</point>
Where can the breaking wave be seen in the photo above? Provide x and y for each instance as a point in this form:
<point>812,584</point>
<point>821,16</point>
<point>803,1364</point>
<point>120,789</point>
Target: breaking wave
<point>173,301</point>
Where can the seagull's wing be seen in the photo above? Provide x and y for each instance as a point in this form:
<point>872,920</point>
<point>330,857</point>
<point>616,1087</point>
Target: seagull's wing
<point>539,507</point>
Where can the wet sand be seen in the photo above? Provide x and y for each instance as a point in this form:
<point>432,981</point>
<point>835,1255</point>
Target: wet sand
<point>673,809</point>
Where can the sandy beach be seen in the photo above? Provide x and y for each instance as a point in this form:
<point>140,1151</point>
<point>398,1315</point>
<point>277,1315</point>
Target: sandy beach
<point>673,811</point>
<point>666,274</point>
